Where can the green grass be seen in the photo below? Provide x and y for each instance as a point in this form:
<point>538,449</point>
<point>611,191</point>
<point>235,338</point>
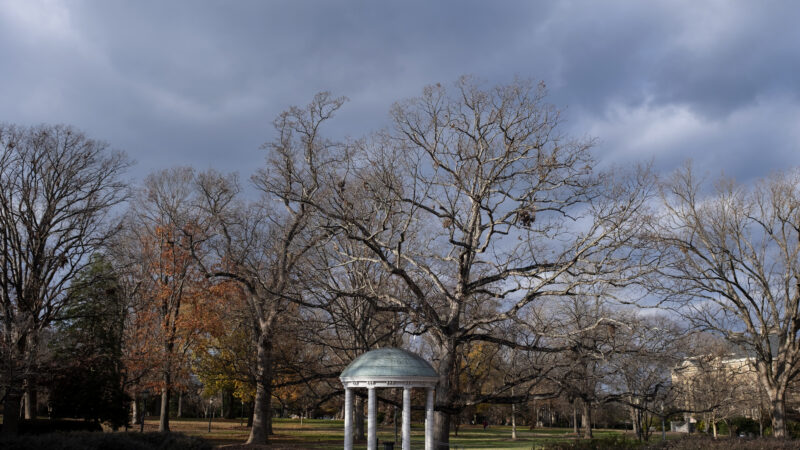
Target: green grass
<point>328,434</point>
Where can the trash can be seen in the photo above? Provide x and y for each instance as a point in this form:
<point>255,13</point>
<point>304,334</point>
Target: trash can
<point>388,446</point>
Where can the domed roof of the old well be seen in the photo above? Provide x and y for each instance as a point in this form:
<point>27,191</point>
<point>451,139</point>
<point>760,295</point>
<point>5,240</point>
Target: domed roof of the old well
<point>389,362</point>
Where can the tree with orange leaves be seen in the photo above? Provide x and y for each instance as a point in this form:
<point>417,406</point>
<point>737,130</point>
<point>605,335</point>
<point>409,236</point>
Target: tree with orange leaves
<point>170,291</point>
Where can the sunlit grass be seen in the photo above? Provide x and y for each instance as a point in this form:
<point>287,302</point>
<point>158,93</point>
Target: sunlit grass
<point>328,434</point>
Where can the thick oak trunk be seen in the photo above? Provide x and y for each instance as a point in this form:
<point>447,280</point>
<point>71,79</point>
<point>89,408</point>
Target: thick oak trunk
<point>11,410</point>
<point>359,418</point>
<point>13,395</point>
<point>30,402</point>
<point>262,408</point>
<point>444,396</point>
<point>776,395</point>
<point>228,399</point>
<point>441,429</point>
<point>163,421</point>
<point>586,420</point>
<point>777,407</point>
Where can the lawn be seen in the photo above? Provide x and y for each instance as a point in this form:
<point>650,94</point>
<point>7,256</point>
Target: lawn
<point>328,434</point>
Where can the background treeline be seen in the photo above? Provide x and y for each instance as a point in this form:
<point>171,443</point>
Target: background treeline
<point>472,230</point>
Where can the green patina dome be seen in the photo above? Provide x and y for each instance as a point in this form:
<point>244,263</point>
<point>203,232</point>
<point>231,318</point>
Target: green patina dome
<point>389,362</point>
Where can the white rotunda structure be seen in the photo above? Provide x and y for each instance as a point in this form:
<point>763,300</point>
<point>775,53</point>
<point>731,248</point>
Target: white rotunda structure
<point>388,368</point>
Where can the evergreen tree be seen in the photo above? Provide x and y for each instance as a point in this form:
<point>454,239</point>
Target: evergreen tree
<point>89,380</point>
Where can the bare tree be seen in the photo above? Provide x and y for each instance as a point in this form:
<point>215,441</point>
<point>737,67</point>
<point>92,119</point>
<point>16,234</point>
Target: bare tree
<point>642,369</point>
<point>731,265</point>
<point>57,187</point>
<point>715,381</point>
<point>472,202</point>
<point>345,322</point>
<point>588,329</point>
<point>240,239</point>
<point>264,246</point>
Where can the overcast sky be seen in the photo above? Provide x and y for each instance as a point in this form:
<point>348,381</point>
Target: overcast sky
<point>199,82</point>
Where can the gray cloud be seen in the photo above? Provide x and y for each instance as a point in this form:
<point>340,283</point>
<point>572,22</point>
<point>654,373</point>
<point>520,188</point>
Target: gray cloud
<point>199,82</point>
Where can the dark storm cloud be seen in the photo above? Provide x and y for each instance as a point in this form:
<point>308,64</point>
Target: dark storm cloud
<point>199,82</point>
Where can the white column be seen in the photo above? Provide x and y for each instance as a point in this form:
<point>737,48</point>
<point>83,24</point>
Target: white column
<point>407,418</point>
<point>348,418</point>
<point>429,420</point>
<point>372,420</point>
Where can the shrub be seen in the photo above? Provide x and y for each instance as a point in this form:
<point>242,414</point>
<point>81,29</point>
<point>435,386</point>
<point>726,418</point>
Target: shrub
<point>741,425</point>
<point>55,425</point>
<point>792,427</point>
<point>101,441</point>
<point>708,443</point>
<point>615,441</point>
<point>172,441</point>
<point>701,426</point>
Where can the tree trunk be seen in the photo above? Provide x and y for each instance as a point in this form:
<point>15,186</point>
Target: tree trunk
<point>135,410</point>
<point>776,395</point>
<point>387,418</point>
<point>13,394</point>
<point>230,413</point>
<point>513,419</point>
<point>714,427</point>
<point>359,416</point>
<point>180,404</point>
<point>11,407</point>
<point>634,421</point>
<point>30,402</point>
<point>441,427</point>
<point>444,396</point>
<point>586,420</point>
<point>163,421</point>
<point>262,414</point>
<point>778,413</point>
<point>574,418</point>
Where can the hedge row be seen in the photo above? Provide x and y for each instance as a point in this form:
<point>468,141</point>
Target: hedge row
<point>102,441</point>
